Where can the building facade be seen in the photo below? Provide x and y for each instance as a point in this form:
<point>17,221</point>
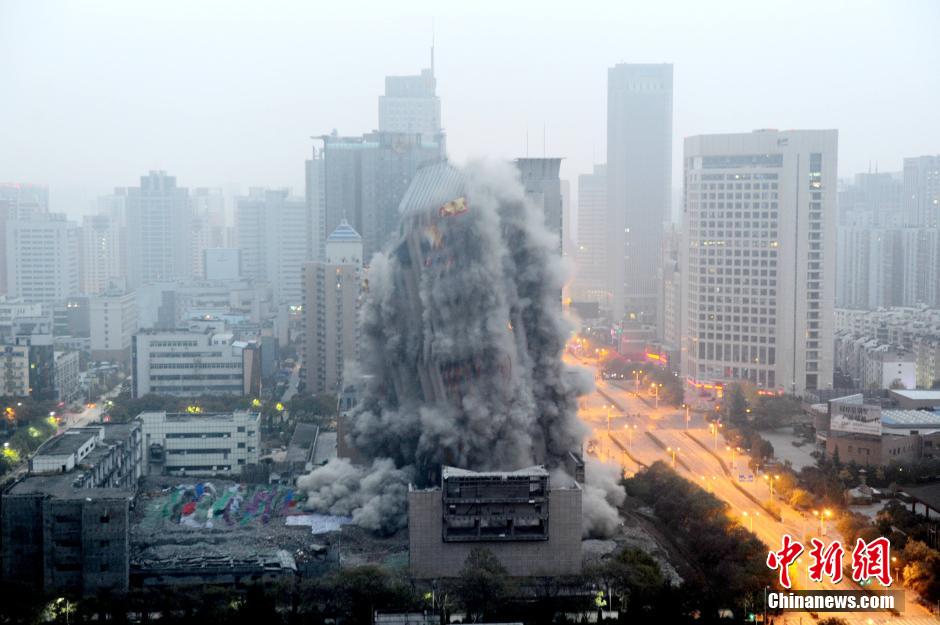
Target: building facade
<point>100,251</point>
<point>159,230</point>
<point>113,323</point>
<point>203,444</point>
<point>922,191</point>
<point>542,186</point>
<point>332,289</point>
<point>639,183</point>
<point>42,258</point>
<point>759,258</point>
<point>190,363</point>
<point>591,258</point>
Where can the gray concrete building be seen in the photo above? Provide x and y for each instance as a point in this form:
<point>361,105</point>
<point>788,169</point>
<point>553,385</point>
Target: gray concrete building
<point>591,282</point>
<point>529,522</point>
<point>542,185</point>
<point>65,527</point>
<point>922,191</point>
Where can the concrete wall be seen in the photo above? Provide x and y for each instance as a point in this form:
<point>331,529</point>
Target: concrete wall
<point>431,557</point>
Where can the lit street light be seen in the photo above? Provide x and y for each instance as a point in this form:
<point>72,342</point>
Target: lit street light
<point>630,430</point>
<point>770,482</point>
<point>749,519</point>
<point>713,428</point>
<point>636,380</point>
<point>734,465</point>
<point>822,516</point>
<point>673,452</point>
<point>687,416</point>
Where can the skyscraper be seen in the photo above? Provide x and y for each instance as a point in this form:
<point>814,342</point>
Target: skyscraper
<point>159,230</point>
<point>592,261</point>
<point>410,104</point>
<point>316,203</point>
<point>542,186</point>
<point>272,233</point>
<point>922,191</point>
<point>208,224</point>
<point>639,181</point>
<point>759,258</point>
<point>100,252</point>
<point>18,201</point>
<point>331,305</point>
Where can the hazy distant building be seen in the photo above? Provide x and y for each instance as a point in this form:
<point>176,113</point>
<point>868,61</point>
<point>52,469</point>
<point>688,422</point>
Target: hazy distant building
<point>872,199</point>
<point>316,203</point>
<point>113,322</point>
<point>42,258</point>
<point>869,267</point>
<point>159,230</point>
<point>591,283</point>
<point>542,187</point>
<point>273,236</point>
<point>366,177</point>
<point>208,224</point>
<point>331,305</point>
<point>18,201</point>
<point>101,254</point>
<point>669,307</point>
<point>759,258</point>
<point>67,382</point>
<point>410,104</point>
<point>14,370</point>
<point>639,183</point>
<point>921,266</point>
<point>221,263</point>
<point>922,191</point>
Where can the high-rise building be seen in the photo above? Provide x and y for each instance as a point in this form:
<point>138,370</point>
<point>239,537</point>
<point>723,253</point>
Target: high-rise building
<point>331,305</point>
<point>101,255</point>
<point>592,261</point>
<point>18,201</point>
<point>669,307</point>
<point>42,258</point>
<point>159,230</point>
<point>639,183</point>
<point>542,187</point>
<point>272,233</point>
<point>208,224</point>
<point>869,267</point>
<point>922,191</point>
<point>410,104</point>
<point>759,258</point>
<point>366,177</point>
<point>872,199</point>
<point>316,203</point>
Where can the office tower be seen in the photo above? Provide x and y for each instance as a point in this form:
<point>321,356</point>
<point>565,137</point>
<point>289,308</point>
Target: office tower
<point>42,258</point>
<point>872,199</point>
<point>208,224</point>
<point>410,104</point>
<point>920,270</point>
<point>669,306</point>
<point>759,258</point>
<point>366,178</point>
<point>114,207</point>
<point>159,230</point>
<point>272,234</point>
<point>639,183</point>
<point>331,306</point>
<point>869,267</point>
<point>100,252</point>
<point>569,222</point>
<point>316,203</point>
<point>922,191</point>
<point>592,261</point>
<point>542,186</point>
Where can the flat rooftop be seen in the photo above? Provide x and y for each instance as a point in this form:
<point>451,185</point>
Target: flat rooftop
<point>910,418</point>
<point>60,486</point>
<point>66,443</point>
<point>535,471</point>
<point>918,395</point>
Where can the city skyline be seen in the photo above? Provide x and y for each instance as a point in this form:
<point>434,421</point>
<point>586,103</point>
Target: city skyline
<point>562,98</point>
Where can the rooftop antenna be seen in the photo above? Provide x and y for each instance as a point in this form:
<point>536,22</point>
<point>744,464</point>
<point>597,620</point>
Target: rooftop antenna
<point>432,46</point>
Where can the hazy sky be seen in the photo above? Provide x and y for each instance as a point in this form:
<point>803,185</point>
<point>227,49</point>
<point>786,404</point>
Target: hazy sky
<point>227,93</point>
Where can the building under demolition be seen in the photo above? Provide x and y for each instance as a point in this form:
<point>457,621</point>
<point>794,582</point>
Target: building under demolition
<point>532,526</point>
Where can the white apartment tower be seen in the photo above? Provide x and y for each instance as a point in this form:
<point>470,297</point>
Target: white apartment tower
<point>639,183</point>
<point>759,228</point>
<point>159,231</point>
<point>42,258</point>
<point>101,253</point>
<point>921,199</point>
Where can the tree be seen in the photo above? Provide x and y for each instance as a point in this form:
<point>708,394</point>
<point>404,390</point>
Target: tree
<point>897,384</point>
<point>735,405</point>
<point>801,499</point>
<point>483,584</point>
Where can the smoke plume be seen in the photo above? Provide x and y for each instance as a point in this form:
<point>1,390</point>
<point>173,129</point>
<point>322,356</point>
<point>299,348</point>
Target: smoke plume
<point>462,337</point>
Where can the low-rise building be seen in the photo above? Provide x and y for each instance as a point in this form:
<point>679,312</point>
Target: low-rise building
<point>65,527</point>
<point>189,363</point>
<point>14,370</point>
<point>531,525</point>
<point>113,323</point>
<point>200,444</point>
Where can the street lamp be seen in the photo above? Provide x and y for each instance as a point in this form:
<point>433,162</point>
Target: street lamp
<point>894,561</point>
<point>749,519</point>
<point>687,416</point>
<point>734,464</point>
<point>608,406</point>
<point>714,430</point>
<point>673,452</point>
<point>822,516</point>
<point>630,430</point>
<point>770,482</point>
<point>636,380</point>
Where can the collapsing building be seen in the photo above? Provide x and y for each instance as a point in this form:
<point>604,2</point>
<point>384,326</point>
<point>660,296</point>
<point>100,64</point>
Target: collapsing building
<point>462,339</point>
<point>532,526</point>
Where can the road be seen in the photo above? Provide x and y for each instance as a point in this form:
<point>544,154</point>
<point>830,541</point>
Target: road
<point>624,425</point>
